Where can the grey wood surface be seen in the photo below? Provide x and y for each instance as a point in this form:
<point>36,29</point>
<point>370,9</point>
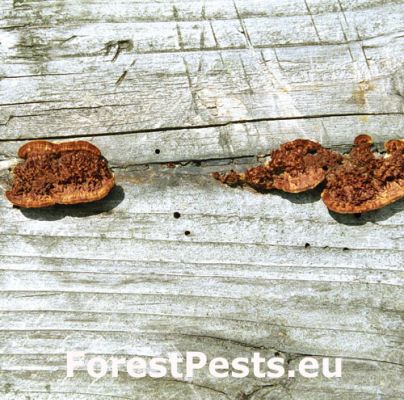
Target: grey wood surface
<point>211,85</point>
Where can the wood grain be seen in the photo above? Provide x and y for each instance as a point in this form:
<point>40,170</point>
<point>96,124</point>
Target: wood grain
<point>211,85</point>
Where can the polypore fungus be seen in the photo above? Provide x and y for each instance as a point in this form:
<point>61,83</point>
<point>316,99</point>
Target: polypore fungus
<point>364,182</point>
<point>295,167</point>
<point>356,183</point>
<point>66,173</point>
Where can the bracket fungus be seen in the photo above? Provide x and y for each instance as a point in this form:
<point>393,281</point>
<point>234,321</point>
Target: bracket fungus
<point>355,183</point>
<point>365,182</point>
<point>66,173</point>
<point>295,167</point>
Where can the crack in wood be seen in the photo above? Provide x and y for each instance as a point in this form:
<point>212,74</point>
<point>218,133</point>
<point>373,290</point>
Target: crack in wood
<point>121,78</point>
<point>193,127</point>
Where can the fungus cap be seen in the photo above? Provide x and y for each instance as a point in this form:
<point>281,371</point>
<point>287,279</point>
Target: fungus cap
<point>65,173</point>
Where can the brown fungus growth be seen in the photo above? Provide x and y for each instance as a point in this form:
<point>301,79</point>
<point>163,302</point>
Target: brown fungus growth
<point>295,167</point>
<point>364,182</point>
<point>66,173</point>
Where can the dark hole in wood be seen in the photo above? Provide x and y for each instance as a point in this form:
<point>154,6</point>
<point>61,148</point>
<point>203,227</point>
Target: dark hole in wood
<point>307,245</point>
<point>345,249</point>
<point>187,233</point>
<point>177,215</point>
<point>157,151</point>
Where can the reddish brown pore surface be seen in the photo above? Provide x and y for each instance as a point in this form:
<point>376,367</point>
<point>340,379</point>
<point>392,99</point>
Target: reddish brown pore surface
<point>295,167</point>
<point>364,182</point>
<point>69,173</point>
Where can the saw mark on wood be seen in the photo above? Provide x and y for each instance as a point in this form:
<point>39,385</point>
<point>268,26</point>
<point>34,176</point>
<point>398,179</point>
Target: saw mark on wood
<point>243,26</point>
<point>312,20</point>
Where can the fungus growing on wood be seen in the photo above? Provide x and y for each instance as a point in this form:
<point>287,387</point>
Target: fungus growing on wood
<point>295,167</point>
<point>364,182</point>
<point>66,173</point>
<point>356,183</point>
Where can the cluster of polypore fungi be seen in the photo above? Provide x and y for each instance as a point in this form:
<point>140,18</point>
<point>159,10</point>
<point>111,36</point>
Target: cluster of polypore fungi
<point>356,182</point>
<point>66,173</point>
<point>76,172</point>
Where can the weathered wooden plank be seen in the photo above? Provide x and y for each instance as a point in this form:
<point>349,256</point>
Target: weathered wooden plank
<point>95,78</point>
<point>361,375</point>
<point>217,83</point>
<point>279,294</point>
<point>234,140</point>
<point>281,228</point>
